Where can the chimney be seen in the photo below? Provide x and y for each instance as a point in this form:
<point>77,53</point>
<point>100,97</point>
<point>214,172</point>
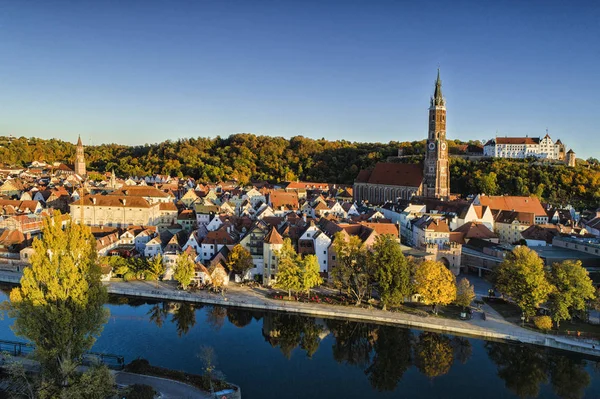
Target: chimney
<point>124,201</point>
<point>94,200</point>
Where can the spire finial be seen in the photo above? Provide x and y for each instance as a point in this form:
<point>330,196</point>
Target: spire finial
<point>437,98</point>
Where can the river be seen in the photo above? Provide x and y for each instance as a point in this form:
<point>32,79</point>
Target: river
<point>276,356</point>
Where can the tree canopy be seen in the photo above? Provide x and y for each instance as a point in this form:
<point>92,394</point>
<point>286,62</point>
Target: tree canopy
<point>435,283</point>
<point>521,276</point>
<point>61,289</point>
<point>391,271</point>
<point>240,260</point>
<point>184,270</point>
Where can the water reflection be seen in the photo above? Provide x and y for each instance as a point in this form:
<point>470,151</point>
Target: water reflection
<point>525,368</point>
<point>385,353</point>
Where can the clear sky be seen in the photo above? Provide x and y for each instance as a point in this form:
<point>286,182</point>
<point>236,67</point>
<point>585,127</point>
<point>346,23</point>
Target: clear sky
<point>134,72</point>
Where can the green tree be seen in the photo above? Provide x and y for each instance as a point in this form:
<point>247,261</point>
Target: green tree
<point>310,273</point>
<point>434,283</point>
<point>391,271</point>
<point>522,278</point>
<point>62,290</point>
<point>240,260</point>
<point>572,289</point>
<point>351,273</point>
<point>156,269</point>
<point>184,270</point>
<point>465,293</point>
<point>288,268</point>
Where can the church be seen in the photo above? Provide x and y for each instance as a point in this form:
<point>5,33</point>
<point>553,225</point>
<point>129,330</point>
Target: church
<point>393,181</point>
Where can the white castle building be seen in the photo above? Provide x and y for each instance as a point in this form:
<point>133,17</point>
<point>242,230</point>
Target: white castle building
<point>523,147</point>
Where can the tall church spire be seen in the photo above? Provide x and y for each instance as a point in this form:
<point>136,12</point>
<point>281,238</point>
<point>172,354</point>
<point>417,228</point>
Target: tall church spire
<point>438,98</point>
<point>80,159</point>
<point>436,181</point>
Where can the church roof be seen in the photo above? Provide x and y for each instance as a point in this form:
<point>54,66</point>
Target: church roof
<point>393,174</point>
<point>79,144</point>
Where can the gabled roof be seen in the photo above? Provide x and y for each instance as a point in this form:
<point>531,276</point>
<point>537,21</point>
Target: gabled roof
<point>273,237</point>
<point>514,203</point>
<point>475,230</point>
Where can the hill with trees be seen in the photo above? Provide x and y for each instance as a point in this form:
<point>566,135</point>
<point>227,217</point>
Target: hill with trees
<point>246,157</point>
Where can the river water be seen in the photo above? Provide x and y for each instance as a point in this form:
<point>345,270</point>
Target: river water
<point>275,356</point>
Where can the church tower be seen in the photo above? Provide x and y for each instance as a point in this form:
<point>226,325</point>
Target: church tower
<point>436,174</point>
<point>80,159</point>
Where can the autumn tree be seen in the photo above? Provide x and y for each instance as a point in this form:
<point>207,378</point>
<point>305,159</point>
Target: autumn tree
<point>156,268</point>
<point>288,268</point>
<point>435,284</point>
<point>310,273</point>
<point>522,278</point>
<point>572,289</point>
<point>59,305</point>
<point>390,269</point>
<point>465,293</point>
<point>184,270</point>
<point>352,273</point>
<point>240,260</point>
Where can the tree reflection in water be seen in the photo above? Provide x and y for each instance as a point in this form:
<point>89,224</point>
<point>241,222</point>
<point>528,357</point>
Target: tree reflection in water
<point>392,358</point>
<point>385,353</point>
<point>433,354</point>
<point>184,318</point>
<point>524,368</point>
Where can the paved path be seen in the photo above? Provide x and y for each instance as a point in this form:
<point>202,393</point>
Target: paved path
<point>168,388</point>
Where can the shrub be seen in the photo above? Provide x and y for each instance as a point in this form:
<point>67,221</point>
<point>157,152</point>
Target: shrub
<point>543,323</point>
<point>140,391</point>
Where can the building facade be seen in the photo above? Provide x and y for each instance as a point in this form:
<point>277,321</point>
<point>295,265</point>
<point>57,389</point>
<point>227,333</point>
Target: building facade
<point>525,147</point>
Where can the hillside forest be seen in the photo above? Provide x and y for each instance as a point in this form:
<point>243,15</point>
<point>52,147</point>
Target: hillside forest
<point>248,157</point>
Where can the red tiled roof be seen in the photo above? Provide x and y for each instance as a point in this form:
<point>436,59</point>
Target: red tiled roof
<point>394,174</point>
<point>513,203</point>
<point>517,140</point>
<point>273,237</point>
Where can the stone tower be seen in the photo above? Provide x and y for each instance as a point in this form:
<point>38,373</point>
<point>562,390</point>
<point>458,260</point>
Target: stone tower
<point>80,159</point>
<point>436,174</point>
<point>571,159</point>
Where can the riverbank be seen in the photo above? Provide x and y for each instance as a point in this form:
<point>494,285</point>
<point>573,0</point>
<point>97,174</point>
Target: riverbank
<point>494,327</point>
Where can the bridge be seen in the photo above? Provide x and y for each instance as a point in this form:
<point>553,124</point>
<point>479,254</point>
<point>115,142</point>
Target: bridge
<point>16,348</point>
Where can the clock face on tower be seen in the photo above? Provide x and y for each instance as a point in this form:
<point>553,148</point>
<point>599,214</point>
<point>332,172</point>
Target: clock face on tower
<point>444,146</point>
<point>431,146</point>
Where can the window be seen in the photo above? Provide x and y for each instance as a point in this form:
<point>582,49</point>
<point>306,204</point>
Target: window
<point>324,252</point>
<point>332,257</point>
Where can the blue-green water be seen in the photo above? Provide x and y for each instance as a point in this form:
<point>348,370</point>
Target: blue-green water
<point>274,355</point>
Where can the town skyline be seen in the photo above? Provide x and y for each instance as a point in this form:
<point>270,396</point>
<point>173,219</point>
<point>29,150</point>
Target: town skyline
<point>320,71</point>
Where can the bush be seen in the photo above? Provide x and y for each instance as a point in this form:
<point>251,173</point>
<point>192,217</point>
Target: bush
<point>140,391</point>
<point>543,323</point>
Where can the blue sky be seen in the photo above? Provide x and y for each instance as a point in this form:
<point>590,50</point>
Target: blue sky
<point>134,72</point>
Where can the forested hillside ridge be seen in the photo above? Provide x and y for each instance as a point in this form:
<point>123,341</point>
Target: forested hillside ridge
<point>248,157</point>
